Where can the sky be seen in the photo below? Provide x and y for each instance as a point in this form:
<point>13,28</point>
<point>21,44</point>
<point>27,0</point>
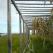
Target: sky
<point>3,18</point>
<point>14,17</point>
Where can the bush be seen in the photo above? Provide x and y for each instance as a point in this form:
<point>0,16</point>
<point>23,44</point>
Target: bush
<point>39,47</point>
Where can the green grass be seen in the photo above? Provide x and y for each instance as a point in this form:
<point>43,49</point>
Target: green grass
<point>3,44</point>
<point>15,43</point>
<point>36,44</point>
<point>41,46</point>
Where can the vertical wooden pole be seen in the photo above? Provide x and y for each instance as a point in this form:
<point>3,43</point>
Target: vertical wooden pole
<point>20,24</point>
<point>9,26</point>
<point>23,27</point>
<point>20,33</point>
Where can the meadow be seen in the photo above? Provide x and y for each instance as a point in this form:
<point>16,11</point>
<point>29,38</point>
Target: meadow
<point>36,45</point>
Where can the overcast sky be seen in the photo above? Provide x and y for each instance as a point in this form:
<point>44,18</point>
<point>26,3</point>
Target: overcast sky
<point>3,18</point>
<point>14,15</point>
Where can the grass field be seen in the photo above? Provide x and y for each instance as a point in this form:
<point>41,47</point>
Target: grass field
<point>36,44</point>
<point>15,44</point>
<point>4,44</point>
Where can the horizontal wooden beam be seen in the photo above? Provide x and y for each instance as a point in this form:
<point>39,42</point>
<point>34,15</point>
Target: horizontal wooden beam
<point>36,10</point>
<point>41,8</point>
<point>32,0</point>
<point>37,14</point>
<point>33,4</point>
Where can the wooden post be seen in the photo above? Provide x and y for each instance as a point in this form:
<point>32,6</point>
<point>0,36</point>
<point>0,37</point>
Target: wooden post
<point>9,26</point>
